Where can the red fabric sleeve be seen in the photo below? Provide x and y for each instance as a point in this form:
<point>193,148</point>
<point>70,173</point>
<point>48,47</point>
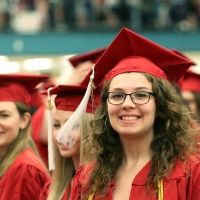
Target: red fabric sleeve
<point>45,191</point>
<point>23,183</point>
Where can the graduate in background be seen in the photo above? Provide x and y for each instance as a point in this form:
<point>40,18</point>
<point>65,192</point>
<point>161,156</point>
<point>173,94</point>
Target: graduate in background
<point>145,146</point>
<point>22,172</point>
<point>67,159</point>
<point>190,90</point>
<point>82,64</point>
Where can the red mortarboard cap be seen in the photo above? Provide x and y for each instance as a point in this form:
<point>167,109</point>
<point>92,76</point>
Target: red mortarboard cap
<point>48,83</point>
<point>181,54</point>
<point>68,98</point>
<point>19,87</point>
<point>36,99</point>
<point>131,52</point>
<point>190,82</point>
<point>88,56</point>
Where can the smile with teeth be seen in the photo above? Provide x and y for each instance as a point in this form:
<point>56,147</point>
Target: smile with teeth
<point>129,118</point>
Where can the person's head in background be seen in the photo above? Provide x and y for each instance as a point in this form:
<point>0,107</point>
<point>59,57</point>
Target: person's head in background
<point>190,91</point>
<point>139,107</point>
<point>15,101</point>
<point>67,160</point>
<point>188,86</point>
<point>82,64</point>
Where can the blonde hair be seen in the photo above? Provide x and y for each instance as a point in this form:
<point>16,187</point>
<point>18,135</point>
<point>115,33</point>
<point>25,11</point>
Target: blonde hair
<point>86,153</point>
<point>22,141</point>
<point>64,167</point>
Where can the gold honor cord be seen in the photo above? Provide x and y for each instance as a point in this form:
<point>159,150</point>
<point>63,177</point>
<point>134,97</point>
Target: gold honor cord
<point>91,196</point>
<point>160,191</point>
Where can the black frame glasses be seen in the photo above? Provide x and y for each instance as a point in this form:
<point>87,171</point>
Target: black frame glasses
<point>138,97</point>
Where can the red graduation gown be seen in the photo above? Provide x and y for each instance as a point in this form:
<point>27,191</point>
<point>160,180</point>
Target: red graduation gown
<point>179,185</point>
<point>24,179</point>
<point>37,121</point>
<point>45,191</point>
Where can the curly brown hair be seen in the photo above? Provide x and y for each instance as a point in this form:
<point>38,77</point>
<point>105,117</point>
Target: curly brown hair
<point>173,137</point>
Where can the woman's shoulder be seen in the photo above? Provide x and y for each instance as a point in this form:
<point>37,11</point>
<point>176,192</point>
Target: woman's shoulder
<point>194,167</point>
<point>184,180</point>
<point>86,166</point>
<point>185,168</point>
<point>81,179</point>
<point>45,191</point>
<point>26,180</point>
<point>27,163</point>
<point>84,171</point>
<point>28,157</point>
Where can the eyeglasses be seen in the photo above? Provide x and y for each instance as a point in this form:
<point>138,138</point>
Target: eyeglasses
<point>138,97</point>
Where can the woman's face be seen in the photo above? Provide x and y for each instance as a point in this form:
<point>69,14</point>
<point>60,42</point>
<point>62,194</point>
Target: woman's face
<point>10,124</point>
<point>60,117</point>
<point>130,119</point>
<point>190,101</point>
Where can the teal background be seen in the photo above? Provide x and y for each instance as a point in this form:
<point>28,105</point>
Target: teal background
<point>78,42</point>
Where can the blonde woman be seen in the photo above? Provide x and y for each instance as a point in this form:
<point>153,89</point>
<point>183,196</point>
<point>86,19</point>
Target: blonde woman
<point>67,160</point>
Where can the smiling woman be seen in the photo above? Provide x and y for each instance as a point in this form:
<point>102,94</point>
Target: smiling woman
<point>11,122</point>
<point>144,141</point>
<point>22,173</point>
<point>123,118</point>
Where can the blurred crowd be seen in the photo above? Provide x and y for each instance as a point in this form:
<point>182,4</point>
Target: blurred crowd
<point>83,15</point>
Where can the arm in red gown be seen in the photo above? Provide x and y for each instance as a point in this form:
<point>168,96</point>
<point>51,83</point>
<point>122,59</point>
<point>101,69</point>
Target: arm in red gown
<point>24,179</point>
